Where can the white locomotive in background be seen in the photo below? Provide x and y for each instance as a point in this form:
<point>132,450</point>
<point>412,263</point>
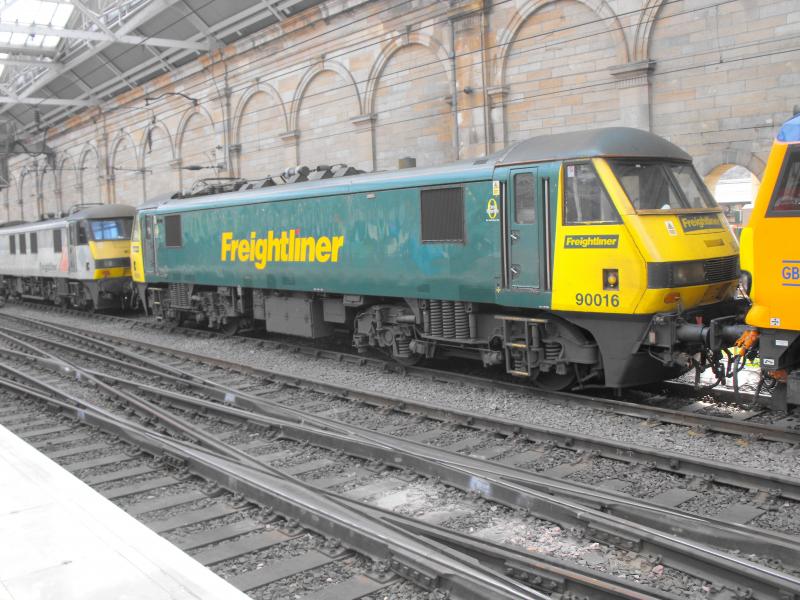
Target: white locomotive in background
<point>82,260</point>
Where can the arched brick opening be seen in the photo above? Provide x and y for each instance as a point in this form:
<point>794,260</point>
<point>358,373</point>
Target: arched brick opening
<point>260,121</point>
<point>326,103</point>
<point>91,191</point>
<point>127,175</point>
<point>27,195</point>
<point>557,78</point>
<point>70,181</point>
<point>413,117</point>
<point>158,162</point>
<point>50,199</point>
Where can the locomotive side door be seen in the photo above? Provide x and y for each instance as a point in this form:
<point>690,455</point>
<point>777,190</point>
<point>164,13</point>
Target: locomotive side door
<point>523,223</point>
<point>149,243</point>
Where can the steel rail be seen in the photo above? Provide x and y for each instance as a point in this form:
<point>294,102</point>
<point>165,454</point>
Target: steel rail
<point>713,423</point>
<point>458,572</point>
<point>735,537</point>
<point>420,563</point>
<point>734,572</point>
<point>684,555</point>
<point>433,374</point>
<point>731,536</point>
<point>665,461</point>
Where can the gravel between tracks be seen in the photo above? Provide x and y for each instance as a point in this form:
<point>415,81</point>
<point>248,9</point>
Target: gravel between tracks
<point>523,408</point>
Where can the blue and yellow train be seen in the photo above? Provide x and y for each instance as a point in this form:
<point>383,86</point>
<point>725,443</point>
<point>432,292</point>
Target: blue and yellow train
<point>586,258</point>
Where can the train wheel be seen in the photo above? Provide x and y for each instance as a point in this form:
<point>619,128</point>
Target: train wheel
<point>408,361</point>
<point>553,382</point>
<point>173,323</point>
<point>230,327</point>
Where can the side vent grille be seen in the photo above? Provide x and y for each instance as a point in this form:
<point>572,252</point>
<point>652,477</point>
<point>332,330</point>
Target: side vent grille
<point>179,294</point>
<point>442,215</point>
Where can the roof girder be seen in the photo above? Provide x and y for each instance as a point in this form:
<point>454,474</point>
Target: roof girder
<point>55,101</point>
<point>100,36</point>
<point>149,12</point>
<point>241,20</point>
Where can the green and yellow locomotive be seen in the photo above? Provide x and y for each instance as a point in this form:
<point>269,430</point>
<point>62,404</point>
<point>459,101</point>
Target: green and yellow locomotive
<point>587,258</point>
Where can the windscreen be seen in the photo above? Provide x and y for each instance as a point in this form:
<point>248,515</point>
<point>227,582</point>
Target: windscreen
<point>659,185</point>
<point>105,230</point>
<point>786,197</point>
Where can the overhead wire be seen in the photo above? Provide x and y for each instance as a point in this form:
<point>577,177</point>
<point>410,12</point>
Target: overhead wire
<point>524,97</point>
<point>347,85</point>
<point>382,39</point>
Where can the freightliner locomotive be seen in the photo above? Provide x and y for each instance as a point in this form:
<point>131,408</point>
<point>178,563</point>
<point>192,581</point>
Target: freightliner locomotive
<point>586,258</point>
<point>81,260</point>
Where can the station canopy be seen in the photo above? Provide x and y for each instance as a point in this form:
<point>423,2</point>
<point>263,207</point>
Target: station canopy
<point>58,57</point>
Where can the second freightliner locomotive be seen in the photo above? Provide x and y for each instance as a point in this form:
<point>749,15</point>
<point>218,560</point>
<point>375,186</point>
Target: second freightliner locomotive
<point>80,260</point>
<point>586,258</point>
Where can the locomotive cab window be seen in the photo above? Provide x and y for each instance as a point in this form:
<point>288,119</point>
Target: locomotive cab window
<point>107,230</point>
<point>34,242</point>
<point>173,234</point>
<point>56,240</point>
<point>785,200</point>
<point>12,244</point>
<point>660,185</point>
<point>23,247</point>
<point>442,215</point>
<point>585,199</point>
<point>524,198</point>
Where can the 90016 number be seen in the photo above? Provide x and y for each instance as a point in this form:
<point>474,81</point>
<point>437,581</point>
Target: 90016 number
<point>597,300</point>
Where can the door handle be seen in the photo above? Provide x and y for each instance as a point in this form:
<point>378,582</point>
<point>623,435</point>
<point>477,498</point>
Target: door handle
<point>514,235</point>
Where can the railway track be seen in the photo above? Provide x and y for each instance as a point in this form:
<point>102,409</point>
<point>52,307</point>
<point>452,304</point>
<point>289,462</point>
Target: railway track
<point>639,525</point>
<point>228,534</point>
<point>460,578</point>
<point>717,409</point>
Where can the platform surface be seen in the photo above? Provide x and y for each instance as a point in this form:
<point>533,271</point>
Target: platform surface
<point>59,539</point>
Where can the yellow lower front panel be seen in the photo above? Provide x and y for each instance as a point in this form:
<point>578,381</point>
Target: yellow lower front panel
<point>112,273</point>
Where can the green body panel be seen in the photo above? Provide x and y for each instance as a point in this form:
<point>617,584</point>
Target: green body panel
<point>381,255</point>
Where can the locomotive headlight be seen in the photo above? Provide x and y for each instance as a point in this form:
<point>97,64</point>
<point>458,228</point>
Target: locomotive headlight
<point>688,273</point>
<point>676,274</point>
<point>610,279</point>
